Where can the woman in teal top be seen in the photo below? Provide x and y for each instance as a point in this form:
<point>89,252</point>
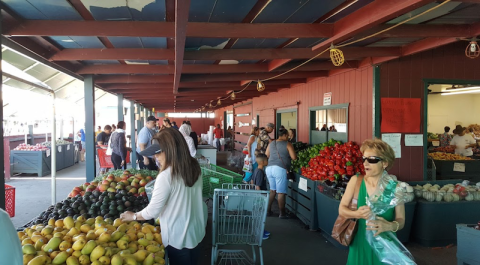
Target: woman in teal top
<point>377,157</point>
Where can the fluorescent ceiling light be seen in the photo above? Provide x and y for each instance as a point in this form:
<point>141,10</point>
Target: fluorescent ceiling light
<point>461,89</point>
<point>461,92</point>
<point>67,40</point>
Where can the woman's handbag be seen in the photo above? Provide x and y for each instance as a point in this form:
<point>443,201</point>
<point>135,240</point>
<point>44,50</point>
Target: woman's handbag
<point>344,229</point>
<point>290,175</point>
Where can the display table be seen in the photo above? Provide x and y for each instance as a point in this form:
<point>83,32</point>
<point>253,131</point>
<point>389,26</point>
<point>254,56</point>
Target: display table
<point>445,169</point>
<point>33,162</point>
<point>327,213</point>
<point>301,200</point>
<point>208,152</point>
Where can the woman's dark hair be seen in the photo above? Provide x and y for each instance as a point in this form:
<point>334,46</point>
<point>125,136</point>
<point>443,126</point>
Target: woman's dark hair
<point>254,129</point>
<point>167,121</point>
<point>107,128</point>
<point>447,129</point>
<point>113,126</point>
<point>121,125</point>
<point>177,156</point>
<point>218,125</point>
<point>282,133</point>
<point>184,122</point>
<point>294,133</point>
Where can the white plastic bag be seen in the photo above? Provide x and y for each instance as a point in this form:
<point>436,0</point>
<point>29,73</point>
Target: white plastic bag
<point>247,165</point>
<point>149,189</point>
<point>109,147</point>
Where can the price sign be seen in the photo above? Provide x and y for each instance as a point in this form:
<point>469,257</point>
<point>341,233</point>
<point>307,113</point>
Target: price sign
<point>48,152</point>
<point>436,143</point>
<point>68,147</point>
<point>303,184</point>
<point>459,167</point>
<point>59,148</point>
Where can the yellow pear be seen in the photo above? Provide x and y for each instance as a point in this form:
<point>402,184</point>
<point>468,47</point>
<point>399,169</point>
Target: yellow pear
<point>143,242</point>
<point>84,260</point>
<point>125,253</point>
<point>97,262</point>
<point>81,219</point>
<point>39,244</point>
<point>41,253</point>
<point>129,260</point>
<point>68,222</point>
<point>77,254</point>
<point>88,248</point>
<point>98,218</point>
<point>122,227</point>
<point>158,238</point>
<point>100,231</point>
<point>78,237</point>
<point>79,244</point>
<point>37,237</point>
<point>73,232</point>
<point>140,255</point>
<point>58,229</point>
<point>52,245</point>
<point>159,254</point>
<point>60,258</point>
<point>27,258</point>
<point>109,221</point>
<point>97,252</point>
<point>141,247</point>
<point>72,261</point>
<point>47,231</point>
<point>64,246</point>
<point>27,241</point>
<point>59,223</point>
<point>140,235</point>
<point>85,228</point>
<point>111,227</point>
<point>117,222</point>
<point>90,221</point>
<point>108,252</point>
<point>149,236</point>
<point>149,260</point>
<point>69,251</point>
<point>133,247</point>
<point>28,249</point>
<point>78,224</point>
<point>104,260</point>
<point>122,244</point>
<point>104,237</point>
<point>38,260</point>
<point>146,229</point>
<point>48,237</point>
<point>116,260</point>
<point>152,249</point>
<point>91,235</point>
<point>116,251</point>
<point>68,239</point>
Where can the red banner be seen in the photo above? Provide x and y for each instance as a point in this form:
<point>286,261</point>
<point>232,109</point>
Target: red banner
<point>401,115</point>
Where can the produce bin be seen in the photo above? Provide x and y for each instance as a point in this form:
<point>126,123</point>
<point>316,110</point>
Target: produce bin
<point>35,162</point>
<point>10,200</point>
<point>69,155</point>
<point>468,245</point>
<point>445,170</point>
<point>434,223</point>
<point>60,149</point>
<point>327,213</point>
<point>301,202</point>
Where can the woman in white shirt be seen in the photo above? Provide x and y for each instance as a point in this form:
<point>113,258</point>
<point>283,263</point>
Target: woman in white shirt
<point>462,142</point>
<point>185,130</point>
<point>176,198</point>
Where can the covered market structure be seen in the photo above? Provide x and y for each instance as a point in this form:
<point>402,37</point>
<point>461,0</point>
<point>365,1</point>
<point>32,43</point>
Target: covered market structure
<point>366,67</point>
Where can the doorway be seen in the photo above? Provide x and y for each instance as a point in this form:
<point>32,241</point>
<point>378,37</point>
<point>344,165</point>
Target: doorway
<point>289,120</point>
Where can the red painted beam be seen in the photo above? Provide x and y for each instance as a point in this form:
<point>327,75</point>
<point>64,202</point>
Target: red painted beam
<point>253,76</point>
<point>369,16</point>
<point>170,17</point>
<point>212,55</point>
<point>182,8</point>
<point>419,31</point>
<point>167,29</point>
<point>154,79</point>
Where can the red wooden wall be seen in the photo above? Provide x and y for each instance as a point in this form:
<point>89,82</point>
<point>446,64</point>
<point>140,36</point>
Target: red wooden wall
<point>403,78</point>
<point>354,87</point>
<point>199,125</point>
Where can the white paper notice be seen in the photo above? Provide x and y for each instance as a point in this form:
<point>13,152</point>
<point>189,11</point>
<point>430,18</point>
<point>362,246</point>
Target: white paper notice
<point>60,149</point>
<point>459,167</point>
<point>394,140</point>
<point>48,153</point>
<point>68,147</point>
<point>413,139</point>
<point>303,184</point>
<point>436,143</point>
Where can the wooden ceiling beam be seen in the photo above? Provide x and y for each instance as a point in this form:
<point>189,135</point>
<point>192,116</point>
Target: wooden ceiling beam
<point>167,29</point>
<point>182,8</point>
<point>252,76</point>
<point>351,53</point>
<point>148,79</point>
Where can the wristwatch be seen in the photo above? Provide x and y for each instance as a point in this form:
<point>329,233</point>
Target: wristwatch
<point>134,216</point>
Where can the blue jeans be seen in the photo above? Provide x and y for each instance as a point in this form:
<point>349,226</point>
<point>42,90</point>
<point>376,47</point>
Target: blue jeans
<point>248,176</point>
<point>184,256</point>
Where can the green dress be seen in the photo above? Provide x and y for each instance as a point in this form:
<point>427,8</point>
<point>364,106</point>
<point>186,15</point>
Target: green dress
<point>360,252</point>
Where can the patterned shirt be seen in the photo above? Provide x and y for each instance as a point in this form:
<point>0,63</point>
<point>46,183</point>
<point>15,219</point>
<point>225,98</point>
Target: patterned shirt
<point>262,142</point>
<point>445,139</point>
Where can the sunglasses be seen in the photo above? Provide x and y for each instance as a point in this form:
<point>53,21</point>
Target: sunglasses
<point>372,159</point>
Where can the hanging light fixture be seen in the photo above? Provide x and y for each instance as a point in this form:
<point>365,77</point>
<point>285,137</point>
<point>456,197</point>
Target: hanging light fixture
<point>219,102</point>
<point>336,56</point>
<point>473,50</point>
<point>203,107</point>
<point>232,96</point>
<point>260,86</point>
<point>210,104</point>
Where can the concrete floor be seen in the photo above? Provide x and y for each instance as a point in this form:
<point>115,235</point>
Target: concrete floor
<point>289,243</point>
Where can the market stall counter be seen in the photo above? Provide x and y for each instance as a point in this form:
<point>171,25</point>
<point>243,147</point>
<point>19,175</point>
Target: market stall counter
<point>209,152</point>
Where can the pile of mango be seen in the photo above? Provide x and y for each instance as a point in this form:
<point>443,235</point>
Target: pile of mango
<point>92,241</point>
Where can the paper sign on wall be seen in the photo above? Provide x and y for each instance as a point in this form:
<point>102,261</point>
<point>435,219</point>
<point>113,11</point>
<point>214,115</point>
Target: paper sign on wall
<point>303,184</point>
<point>401,115</point>
<point>60,149</point>
<point>414,140</point>
<point>327,99</point>
<point>459,167</point>
<point>394,140</point>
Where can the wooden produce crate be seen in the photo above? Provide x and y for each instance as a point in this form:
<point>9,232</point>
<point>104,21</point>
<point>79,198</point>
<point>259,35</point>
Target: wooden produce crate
<point>468,245</point>
<point>33,162</point>
<point>301,200</point>
<point>60,149</point>
<point>69,155</point>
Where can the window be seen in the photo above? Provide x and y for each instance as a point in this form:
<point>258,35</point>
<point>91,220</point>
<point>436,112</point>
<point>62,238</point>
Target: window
<point>191,115</point>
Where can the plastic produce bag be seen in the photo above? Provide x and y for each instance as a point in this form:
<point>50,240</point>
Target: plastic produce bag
<point>247,164</point>
<point>149,189</point>
<point>386,246</point>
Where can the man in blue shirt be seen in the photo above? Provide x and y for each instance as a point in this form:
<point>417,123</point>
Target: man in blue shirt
<point>81,133</point>
<point>144,141</point>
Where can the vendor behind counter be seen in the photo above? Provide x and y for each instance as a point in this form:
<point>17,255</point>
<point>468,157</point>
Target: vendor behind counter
<point>463,142</point>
